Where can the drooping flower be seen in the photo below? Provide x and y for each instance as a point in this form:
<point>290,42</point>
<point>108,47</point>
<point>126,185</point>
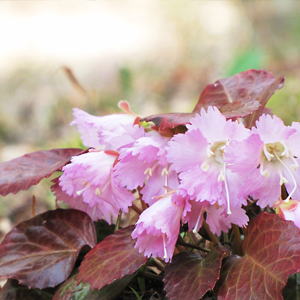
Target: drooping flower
<point>216,216</point>
<point>103,131</point>
<point>157,228</point>
<point>198,155</point>
<point>267,160</point>
<point>145,162</point>
<point>90,178</point>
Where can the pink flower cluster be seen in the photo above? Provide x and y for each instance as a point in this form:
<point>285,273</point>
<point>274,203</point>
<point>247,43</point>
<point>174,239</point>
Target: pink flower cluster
<point>210,171</point>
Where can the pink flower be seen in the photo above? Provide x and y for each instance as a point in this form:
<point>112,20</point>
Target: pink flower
<point>102,131</point>
<point>90,178</point>
<point>198,155</point>
<point>216,216</point>
<point>157,228</point>
<point>145,162</point>
<point>267,159</point>
<point>289,211</point>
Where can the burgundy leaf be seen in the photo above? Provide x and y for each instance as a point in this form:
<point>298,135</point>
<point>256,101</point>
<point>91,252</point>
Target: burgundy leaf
<point>41,252</point>
<point>169,120</point>
<point>12,290</point>
<point>239,108</point>
<point>190,276</point>
<point>272,254</point>
<point>111,259</point>
<point>250,86</point>
<point>23,172</point>
<point>69,290</point>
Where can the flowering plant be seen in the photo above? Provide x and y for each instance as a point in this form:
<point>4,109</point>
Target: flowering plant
<point>185,205</point>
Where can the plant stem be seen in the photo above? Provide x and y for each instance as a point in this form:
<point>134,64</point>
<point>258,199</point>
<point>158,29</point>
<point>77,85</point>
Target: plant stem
<point>118,220</point>
<point>213,238</point>
<point>192,246</point>
<point>237,239</point>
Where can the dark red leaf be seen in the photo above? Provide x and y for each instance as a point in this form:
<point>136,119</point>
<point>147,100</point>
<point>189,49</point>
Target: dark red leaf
<point>12,290</point>
<point>169,120</point>
<point>244,94</point>
<point>71,291</point>
<point>190,276</point>
<point>23,172</point>
<point>111,259</point>
<point>248,87</point>
<point>42,251</point>
<point>272,254</point>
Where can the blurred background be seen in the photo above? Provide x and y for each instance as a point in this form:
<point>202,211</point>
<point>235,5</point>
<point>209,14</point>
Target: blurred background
<point>158,55</point>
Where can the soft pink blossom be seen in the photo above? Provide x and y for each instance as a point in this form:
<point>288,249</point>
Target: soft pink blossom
<point>90,178</point>
<point>266,160</point>
<point>198,157</point>
<point>145,162</point>
<point>102,131</point>
<point>157,228</point>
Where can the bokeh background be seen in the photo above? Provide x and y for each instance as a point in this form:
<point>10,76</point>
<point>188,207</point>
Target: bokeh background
<point>158,55</point>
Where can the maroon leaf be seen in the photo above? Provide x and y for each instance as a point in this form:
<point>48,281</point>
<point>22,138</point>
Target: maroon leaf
<point>249,87</point>
<point>272,254</point>
<point>169,120</point>
<point>23,172</point>
<point>12,290</point>
<point>111,259</point>
<point>69,290</point>
<point>190,276</point>
<point>42,251</point>
<point>238,96</point>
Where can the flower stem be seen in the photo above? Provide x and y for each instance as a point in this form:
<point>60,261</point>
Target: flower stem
<point>237,239</point>
<point>213,238</point>
<point>118,220</point>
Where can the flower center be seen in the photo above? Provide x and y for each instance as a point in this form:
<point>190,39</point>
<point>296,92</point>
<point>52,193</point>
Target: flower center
<point>217,150</point>
<point>275,152</point>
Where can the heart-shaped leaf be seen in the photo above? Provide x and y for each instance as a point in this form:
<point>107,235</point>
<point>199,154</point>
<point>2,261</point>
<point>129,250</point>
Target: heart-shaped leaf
<point>23,172</point>
<point>189,276</point>
<point>69,290</point>
<point>42,251</point>
<point>111,259</point>
<point>272,254</point>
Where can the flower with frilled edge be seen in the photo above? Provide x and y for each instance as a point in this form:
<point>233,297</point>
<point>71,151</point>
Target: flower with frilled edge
<point>90,178</point>
<point>198,157</point>
<point>267,160</point>
<point>157,228</point>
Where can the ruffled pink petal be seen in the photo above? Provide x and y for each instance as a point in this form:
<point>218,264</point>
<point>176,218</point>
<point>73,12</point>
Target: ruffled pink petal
<point>91,126</point>
<point>218,220</point>
<point>271,129</point>
<point>158,227</point>
<point>202,185</point>
<point>187,150</point>
<point>244,156</point>
<point>265,189</point>
<point>89,177</point>
<point>156,183</point>
<point>223,129</point>
<point>114,140</point>
<point>293,140</point>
